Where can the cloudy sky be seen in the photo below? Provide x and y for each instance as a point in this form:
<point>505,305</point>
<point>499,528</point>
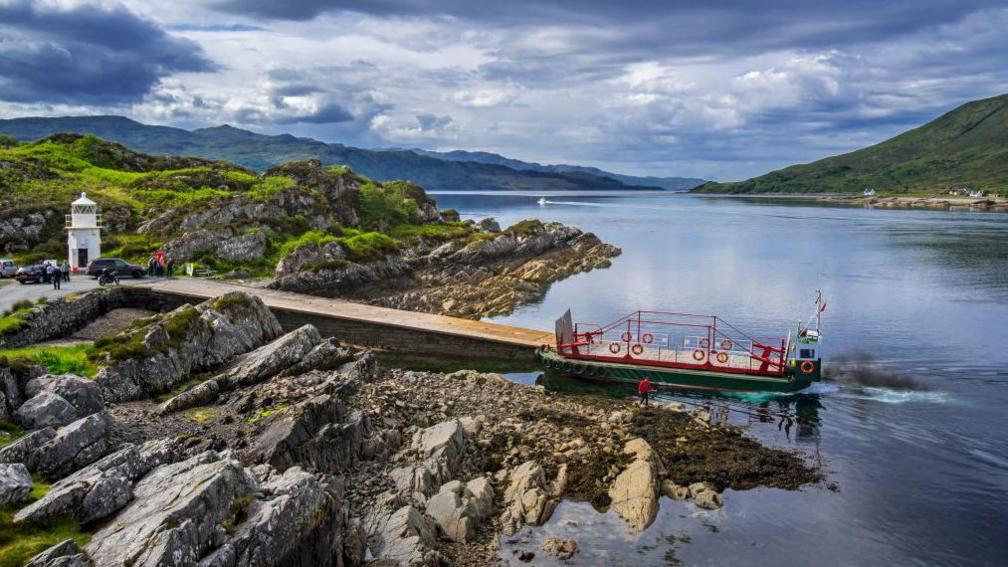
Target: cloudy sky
<point>718,89</point>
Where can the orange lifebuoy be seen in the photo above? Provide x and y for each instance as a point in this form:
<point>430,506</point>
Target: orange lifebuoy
<point>704,342</point>
<point>626,337</point>
<point>648,338</point>
<point>727,344</point>
<point>722,357</point>
<point>807,367</point>
<point>698,355</point>
<point>637,349</point>
<point>614,348</point>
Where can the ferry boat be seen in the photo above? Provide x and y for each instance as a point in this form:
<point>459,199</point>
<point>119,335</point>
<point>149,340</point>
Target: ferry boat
<point>688,351</point>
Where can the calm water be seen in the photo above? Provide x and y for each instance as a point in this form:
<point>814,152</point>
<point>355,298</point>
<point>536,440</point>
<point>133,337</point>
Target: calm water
<point>920,465</point>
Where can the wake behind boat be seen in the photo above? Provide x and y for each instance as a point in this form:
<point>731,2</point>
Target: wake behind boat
<point>687,351</point>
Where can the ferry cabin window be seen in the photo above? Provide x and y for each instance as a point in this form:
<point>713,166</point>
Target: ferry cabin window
<point>806,353</point>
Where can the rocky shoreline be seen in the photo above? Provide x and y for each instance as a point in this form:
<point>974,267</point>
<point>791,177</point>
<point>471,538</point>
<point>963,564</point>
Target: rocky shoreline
<point>488,273</point>
<point>209,437</point>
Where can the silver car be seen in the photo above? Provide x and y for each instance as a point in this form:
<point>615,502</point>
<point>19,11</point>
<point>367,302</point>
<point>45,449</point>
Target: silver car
<point>7,268</point>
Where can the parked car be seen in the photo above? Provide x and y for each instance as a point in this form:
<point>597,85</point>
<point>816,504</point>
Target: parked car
<point>8,269</point>
<point>123,267</point>
<point>33,273</point>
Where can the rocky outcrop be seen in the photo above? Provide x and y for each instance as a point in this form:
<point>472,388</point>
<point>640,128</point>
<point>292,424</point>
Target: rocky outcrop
<point>404,537</point>
<point>55,401</point>
<point>528,498</point>
<point>212,511</point>
<point>63,554</point>
<point>15,484</point>
<point>251,368</point>
<point>488,274</point>
<point>45,410</point>
<point>103,487</point>
<point>189,339</point>
<point>459,509</point>
<point>71,447</point>
<point>634,493</point>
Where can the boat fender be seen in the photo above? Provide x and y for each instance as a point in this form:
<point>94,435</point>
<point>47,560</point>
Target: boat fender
<point>626,337</point>
<point>648,338</point>
<point>698,355</point>
<point>722,357</point>
<point>568,367</point>
<point>637,349</point>
<point>807,367</point>
<point>704,343</point>
<point>614,348</point>
<point>578,369</point>
<point>727,344</point>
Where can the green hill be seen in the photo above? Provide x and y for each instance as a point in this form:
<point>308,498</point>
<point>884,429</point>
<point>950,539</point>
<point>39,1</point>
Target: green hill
<point>261,152</point>
<point>965,147</point>
<point>221,215</point>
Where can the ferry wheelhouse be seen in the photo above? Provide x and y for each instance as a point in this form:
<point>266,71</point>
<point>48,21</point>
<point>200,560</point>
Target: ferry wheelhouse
<point>689,351</point>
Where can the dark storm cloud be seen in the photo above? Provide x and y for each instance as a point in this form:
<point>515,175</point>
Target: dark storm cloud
<point>717,24</point>
<point>86,54</point>
<point>325,114</point>
<point>215,27</point>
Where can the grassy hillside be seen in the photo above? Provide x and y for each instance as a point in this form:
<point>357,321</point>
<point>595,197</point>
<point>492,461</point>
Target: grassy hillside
<point>147,200</point>
<point>967,146</point>
<point>260,152</point>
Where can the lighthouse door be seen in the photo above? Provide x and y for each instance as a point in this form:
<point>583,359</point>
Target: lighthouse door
<point>82,258</point>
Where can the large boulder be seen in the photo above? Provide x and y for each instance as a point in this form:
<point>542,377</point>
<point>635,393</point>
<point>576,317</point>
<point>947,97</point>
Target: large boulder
<point>528,498</point>
<point>459,509</point>
<point>72,447</point>
<point>26,447</point>
<point>634,493</point>
<point>251,368</point>
<point>297,523</point>
<point>189,339</point>
<point>178,513</point>
<point>437,452</point>
<point>317,433</point>
<point>46,409</point>
<point>103,487</point>
<point>404,537</point>
<point>15,484</point>
<point>83,394</point>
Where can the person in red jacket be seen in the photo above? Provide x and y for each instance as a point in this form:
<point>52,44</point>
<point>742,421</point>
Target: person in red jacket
<point>644,389</point>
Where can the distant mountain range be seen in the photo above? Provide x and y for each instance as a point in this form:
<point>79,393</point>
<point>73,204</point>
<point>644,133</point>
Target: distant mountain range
<point>669,183</point>
<point>431,170</point>
<point>965,147</point>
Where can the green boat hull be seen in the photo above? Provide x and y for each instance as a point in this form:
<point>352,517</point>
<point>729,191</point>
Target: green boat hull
<point>674,377</point>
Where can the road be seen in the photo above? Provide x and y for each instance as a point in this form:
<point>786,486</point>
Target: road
<point>11,291</point>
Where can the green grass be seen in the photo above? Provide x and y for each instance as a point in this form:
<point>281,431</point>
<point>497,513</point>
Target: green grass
<point>437,232</point>
<point>9,433</point>
<point>19,542</point>
<point>317,237</point>
<point>68,359</point>
<point>264,413</point>
<point>201,415</point>
<point>365,247</point>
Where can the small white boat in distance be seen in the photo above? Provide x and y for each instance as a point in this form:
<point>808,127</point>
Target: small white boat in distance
<point>542,201</point>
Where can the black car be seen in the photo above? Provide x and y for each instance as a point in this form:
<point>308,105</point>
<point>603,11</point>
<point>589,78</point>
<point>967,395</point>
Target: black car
<point>34,273</point>
<point>124,268</point>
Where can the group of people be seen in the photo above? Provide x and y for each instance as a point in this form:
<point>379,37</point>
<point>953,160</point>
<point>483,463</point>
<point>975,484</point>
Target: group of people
<point>160,265</point>
<point>55,273</point>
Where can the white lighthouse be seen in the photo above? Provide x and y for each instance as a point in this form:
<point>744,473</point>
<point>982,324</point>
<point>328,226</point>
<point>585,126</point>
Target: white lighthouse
<point>83,226</point>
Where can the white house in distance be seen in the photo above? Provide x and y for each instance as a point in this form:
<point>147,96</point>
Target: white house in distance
<point>83,226</point>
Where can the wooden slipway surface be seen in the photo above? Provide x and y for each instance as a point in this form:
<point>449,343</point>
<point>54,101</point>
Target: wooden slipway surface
<point>348,310</point>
